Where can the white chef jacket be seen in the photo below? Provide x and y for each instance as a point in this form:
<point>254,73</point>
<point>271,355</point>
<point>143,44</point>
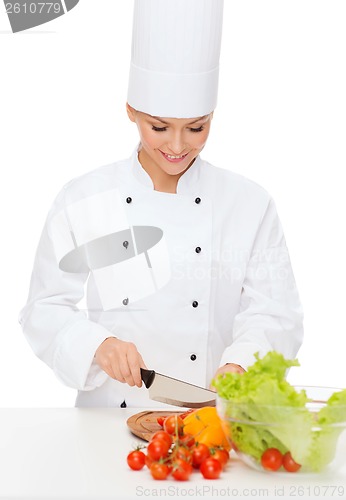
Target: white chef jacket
<point>229,293</point>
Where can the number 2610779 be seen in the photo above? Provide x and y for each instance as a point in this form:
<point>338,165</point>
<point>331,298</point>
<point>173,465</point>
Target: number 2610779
<point>32,8</point>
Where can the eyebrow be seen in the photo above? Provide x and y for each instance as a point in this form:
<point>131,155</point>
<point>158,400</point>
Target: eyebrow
<point>191,123</point>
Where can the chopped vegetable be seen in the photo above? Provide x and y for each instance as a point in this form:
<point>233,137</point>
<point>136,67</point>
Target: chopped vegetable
<point>206,427</point>
<point>179,455</point>
<point>289,464</point>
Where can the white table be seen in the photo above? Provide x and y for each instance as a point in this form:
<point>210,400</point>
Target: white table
<point>79,453</point>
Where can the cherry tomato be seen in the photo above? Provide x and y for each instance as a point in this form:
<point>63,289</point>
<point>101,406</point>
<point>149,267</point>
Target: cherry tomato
<point>199,453</point>
<point>211,468</point>
<point>271,459</point>
<point>159,470</point>
<point>181,470</point>
<point>169,465</point>
<point>148,461</point>
<point>187,440</point>
<point>183,453</point>
<point>162,435</point>
<point>289,464</point>
<point>158,449</point>
<point>185,414</point>
<point>173,425</point>
<point>221,455</point>
<point>160,420</point>
<point>136,460</point>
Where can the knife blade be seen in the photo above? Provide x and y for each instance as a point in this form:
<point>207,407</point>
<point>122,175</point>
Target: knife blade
<point>176,392</point>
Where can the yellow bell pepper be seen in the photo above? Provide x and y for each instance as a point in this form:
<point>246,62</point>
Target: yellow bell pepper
<point>205,425</point>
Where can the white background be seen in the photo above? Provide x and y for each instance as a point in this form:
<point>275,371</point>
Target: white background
<point>280,121</point>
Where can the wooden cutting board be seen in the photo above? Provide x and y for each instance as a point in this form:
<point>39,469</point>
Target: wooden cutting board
<point>144,424</point>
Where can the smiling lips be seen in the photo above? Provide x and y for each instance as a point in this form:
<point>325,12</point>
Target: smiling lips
<point>173,158</point>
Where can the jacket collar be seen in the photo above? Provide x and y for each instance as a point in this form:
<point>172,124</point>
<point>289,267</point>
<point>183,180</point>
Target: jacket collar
<point>187,184</point>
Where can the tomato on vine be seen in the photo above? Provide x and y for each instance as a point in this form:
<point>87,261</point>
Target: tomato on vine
<point>210,468</point>
<point>183,453</point>
<point>171,451</point>
<point>163,435</point>
<point>199,453</point>
<point>221,455</point>
<point>158,449</point>
<point>187,440</point>
<point>186,413</point>
<point>148,461</point>
<point>160,420</point>
<point>159,470</point>
<point>136,460</point>
<point>181,470</point>
<point>174,425</point>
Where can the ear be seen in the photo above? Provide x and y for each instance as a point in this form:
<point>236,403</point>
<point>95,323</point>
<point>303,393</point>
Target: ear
<point>131,112</point>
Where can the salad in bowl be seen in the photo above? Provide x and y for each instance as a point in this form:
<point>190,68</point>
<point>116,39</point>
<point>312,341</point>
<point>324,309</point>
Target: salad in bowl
<point>273,425</point>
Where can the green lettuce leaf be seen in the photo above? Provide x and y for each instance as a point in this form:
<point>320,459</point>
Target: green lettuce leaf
<point>325,438</point>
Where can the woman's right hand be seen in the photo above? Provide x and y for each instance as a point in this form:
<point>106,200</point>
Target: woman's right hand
<point>120,360</point>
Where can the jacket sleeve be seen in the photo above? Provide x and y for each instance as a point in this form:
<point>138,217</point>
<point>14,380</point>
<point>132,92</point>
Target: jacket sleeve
<point>59,333</point>
<point>270,315</point>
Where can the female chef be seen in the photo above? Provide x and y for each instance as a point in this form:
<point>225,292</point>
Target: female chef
<point>184,265</point>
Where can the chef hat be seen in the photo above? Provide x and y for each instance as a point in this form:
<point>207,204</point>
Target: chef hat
<point>175,57</point>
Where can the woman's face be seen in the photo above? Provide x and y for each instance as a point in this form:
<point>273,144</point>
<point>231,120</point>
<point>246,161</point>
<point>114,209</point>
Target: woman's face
<point>170,143</point>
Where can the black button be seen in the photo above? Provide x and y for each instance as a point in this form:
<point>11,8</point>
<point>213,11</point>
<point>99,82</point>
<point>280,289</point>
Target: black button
<point>198,249</point>
<point>198,200</point>
<point>128,200</point>
<point>123,404</point>
<point>193,357</point>
<point>195,303</point>
<point>125,302</point>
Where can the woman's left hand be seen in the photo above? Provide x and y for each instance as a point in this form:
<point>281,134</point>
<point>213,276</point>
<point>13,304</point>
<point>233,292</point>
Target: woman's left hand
<point>229,368</point>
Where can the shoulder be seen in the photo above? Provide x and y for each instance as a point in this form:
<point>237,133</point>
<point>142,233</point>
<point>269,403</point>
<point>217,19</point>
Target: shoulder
<point>98,180</point>
<point>101,175</point>
<point>231,184</point>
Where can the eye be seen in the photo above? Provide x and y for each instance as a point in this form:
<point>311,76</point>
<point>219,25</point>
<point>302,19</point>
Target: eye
<point>199,129</point>
<point>159,129</point>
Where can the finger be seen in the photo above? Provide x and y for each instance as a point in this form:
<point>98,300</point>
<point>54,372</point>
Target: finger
<point>231,369</point>
<point>236,369</point>
<point>117,370</point>
<point>125,371</point>
<point>106,366</point>
<point>134,360</point>
<point>112,369</point>
<point>117,375</point>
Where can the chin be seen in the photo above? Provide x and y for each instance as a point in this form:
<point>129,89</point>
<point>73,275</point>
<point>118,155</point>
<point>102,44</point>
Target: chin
<point>176,171</point>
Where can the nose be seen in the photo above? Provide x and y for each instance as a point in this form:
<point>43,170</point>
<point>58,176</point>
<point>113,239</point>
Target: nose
<point>177,143</point>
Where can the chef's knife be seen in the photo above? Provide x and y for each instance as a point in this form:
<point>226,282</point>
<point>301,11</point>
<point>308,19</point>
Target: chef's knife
<point>176,392</point>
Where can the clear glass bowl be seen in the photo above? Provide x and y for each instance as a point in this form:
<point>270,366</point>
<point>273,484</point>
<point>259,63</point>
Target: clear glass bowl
<point>316,445</point>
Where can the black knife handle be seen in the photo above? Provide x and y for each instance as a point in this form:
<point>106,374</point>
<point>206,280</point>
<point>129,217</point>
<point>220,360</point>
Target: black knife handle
<point>147,377</point>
